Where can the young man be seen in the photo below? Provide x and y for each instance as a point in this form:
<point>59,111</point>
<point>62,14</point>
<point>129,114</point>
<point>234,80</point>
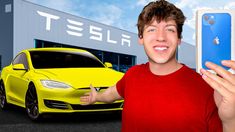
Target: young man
<point>163,94</point>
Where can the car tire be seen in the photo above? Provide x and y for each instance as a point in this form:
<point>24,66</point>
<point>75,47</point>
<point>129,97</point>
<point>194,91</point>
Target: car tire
<point>31,103</point>
<point>3,99</point>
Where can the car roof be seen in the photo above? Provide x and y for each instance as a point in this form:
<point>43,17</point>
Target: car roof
<point>56,49</point>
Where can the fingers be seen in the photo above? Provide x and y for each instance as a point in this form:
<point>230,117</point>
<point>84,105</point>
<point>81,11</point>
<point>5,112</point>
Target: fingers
<point>222,72</point>
<point>214,82</point>
<point>219,70</point>
<point>87,98</point>
<point>92,88</point>
<point>229,63</point>
<point>222,82</point>
<point>84,100</point>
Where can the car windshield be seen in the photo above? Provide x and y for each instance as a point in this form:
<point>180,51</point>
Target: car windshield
<point>63,59</point>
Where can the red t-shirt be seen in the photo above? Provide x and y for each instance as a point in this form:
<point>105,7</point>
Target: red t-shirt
<point>180,102</point>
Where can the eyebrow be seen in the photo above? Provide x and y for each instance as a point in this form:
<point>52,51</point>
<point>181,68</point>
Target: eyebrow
<point>167,25</point>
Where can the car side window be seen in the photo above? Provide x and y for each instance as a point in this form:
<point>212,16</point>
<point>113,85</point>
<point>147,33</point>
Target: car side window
<point>21,59</point>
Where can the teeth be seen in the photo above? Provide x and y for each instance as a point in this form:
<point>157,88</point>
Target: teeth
<point>160,48</point>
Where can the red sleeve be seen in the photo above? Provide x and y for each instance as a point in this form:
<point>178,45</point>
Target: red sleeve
<point>121,86</point>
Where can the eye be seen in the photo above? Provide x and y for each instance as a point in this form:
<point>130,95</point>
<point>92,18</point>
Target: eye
<point>151,30</point>
<point>171,30</point>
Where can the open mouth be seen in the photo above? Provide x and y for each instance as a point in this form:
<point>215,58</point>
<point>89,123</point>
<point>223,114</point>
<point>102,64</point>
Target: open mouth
<point>161,48</point>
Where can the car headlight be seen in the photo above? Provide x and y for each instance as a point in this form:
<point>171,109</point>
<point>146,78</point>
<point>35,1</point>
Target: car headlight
<point>54,84</point>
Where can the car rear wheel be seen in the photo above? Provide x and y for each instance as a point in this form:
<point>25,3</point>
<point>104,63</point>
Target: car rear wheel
<point>31,103</point>
<point>3,100</point>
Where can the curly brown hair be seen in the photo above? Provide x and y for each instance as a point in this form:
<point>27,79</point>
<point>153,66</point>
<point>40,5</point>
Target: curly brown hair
<point>160,10</point>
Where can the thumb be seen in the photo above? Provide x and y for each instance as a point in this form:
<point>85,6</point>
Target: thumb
<point>92,88</point>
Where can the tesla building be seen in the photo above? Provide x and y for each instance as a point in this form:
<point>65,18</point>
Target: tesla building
<point>26,25</point>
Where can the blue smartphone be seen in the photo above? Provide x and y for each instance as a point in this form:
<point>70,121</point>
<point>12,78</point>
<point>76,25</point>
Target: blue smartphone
<point>216,38</point>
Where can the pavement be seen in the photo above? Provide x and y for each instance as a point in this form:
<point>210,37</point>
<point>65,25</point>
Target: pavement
<point>15,119</point>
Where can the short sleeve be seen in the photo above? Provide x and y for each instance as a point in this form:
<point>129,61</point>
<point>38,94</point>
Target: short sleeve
<point>121,86</point>
<point>125,81</point>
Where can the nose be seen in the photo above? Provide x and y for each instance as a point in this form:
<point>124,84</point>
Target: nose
<point>160,35</point>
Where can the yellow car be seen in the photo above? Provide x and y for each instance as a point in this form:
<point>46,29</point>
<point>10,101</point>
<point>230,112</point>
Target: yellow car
<point>51,80</point>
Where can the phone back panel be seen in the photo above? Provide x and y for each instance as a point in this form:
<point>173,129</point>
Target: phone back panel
<point>216,38</point>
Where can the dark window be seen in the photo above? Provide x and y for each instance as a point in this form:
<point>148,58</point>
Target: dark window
<point>120,62</point>
<point>21,59</point>
<point>52,59</point>
<point>125,62</point>
<point>112,58</point>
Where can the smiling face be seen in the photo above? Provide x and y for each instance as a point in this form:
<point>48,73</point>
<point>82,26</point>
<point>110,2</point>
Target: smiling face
<point>160,41</point>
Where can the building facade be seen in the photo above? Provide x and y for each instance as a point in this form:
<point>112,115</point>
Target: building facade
<point>26,25</point>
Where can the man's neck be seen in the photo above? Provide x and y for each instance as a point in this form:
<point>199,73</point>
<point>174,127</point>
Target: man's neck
<point>165,68</point>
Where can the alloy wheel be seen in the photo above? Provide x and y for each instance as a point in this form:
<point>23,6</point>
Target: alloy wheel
<point>31,103</point>
<point>3,101</point>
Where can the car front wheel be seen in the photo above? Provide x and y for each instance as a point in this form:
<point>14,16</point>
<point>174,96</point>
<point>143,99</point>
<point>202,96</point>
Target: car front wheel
<point>31,103</point>
<point>3,100</point>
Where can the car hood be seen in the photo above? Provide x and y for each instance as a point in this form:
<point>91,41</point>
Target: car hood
<point>83,77</point>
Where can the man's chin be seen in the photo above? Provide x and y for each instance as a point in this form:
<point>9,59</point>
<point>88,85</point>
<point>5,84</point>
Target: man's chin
<point>159,61</point>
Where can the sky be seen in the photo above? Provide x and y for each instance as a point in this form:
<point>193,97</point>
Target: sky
<point>123,14</point>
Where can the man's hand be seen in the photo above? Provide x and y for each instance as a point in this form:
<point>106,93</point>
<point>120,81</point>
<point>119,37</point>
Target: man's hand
<point>109,95</point>
<point>223,82</point>
<point>89,98</point>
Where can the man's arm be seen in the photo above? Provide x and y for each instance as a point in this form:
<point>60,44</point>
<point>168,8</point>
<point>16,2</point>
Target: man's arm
<point>108,96</point>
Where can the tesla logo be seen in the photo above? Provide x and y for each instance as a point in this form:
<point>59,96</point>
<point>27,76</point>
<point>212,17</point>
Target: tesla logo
<point>49,17</point>
<point>97,89</point>
<point>75,28</point>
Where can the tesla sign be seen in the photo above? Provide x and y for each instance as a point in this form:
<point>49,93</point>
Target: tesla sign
<point>75,28</point>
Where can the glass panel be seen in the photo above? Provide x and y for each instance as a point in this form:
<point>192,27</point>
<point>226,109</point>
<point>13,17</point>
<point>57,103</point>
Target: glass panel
<point>98,54</point>
<point>126,61</point>
<point>112,58</point>
<point>63,59</point>
<point>120,62</point>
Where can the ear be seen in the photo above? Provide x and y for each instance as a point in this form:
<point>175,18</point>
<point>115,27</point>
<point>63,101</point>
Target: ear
<point>179,42</point>
<point>141,40</point>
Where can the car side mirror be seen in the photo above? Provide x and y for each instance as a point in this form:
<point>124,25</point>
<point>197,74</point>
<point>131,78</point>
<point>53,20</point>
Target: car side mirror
<point>19,67</point>
<point>109,65</point>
